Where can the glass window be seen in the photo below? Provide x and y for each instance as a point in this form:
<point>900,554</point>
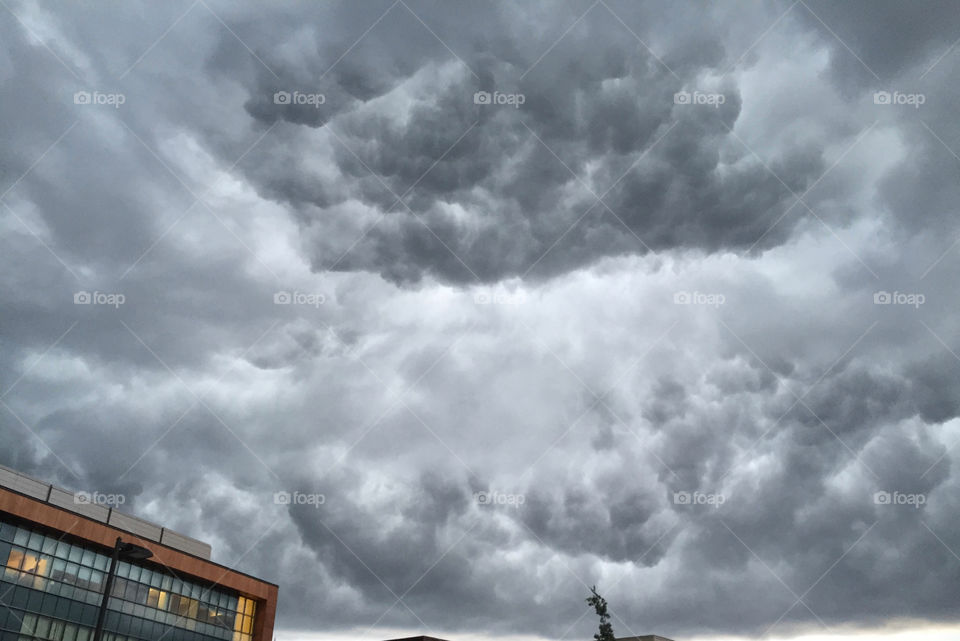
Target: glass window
<point>134,573</point>
<point>57,569</point>
<point>89,616</point>
<point>76,611</point>
<point>83,634</point>
<point>123,569</point>
<point>21,536</point>
<point>167,583</point>
<point>62,608</point>
<point>101,562</point>
<point>28,623</point>
<point>63,549</point>
<point>67,591</point>
<point>43,628</point>
<point>130,593</point>
<point>13,563</point>
<point>56,630</point>
<point>69,632</point>
<point>70,573</point>
<point>35,541</point>
<point>76,553</point>
<point>87,559</point>
<point>49,545</point>
<point>6,532</point>
<point>153,598</point>
<point>83,577</point>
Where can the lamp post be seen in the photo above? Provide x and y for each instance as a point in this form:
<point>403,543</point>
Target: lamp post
<point>121,550</point>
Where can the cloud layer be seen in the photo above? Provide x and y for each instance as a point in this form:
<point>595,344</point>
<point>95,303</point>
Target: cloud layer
<point>536,296</point>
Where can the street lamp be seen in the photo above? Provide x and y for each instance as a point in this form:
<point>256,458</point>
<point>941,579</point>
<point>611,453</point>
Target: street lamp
<point>121,550</point>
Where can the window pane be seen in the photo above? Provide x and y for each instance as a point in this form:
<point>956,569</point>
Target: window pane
<point>20,538</point>
<point>49,545</point>
<point>56,630</point>
<point>43,627</point>
<point>57,569</point>
<point>88,556</point>
<point>14,559</point>
<point>36,541</point>
<point>70,573</point>
<point>76,553</point>
<point>28,624</point>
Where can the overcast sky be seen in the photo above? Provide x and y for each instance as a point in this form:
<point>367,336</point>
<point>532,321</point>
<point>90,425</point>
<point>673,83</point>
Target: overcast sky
<point>438,313</point>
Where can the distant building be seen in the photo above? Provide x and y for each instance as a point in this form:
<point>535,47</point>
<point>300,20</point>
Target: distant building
<point>55,550</point>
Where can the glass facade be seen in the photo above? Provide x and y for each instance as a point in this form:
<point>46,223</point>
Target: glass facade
<point>51,589</point>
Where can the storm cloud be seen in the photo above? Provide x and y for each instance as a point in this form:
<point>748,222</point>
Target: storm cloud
<point>536,295</point>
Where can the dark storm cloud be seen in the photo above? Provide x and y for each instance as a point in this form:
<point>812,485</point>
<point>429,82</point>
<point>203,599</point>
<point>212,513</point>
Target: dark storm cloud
<point>600,100</point>
<point>593,397</point>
